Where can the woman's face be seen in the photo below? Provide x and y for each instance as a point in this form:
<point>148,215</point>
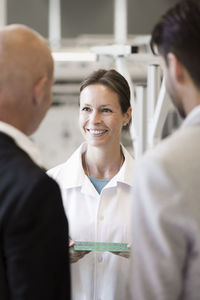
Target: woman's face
<point>101,118</point>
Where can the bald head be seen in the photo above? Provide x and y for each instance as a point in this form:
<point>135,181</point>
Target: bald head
<point>23,54</point>
<point>25,60</point>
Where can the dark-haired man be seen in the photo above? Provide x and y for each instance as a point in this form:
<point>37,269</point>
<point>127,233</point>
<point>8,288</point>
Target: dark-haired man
<point>33,227</point>
<point>166,212</point>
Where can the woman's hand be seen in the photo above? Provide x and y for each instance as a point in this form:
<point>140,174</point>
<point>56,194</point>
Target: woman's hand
<point>75,255</point>
<point>123,254</point>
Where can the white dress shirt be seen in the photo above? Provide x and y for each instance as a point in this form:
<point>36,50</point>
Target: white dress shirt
<point>22,141</point>
<point>165,264</point>
<point>97,217</point>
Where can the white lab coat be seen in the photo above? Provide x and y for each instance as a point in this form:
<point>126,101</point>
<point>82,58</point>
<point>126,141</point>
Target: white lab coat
<point>100,218</point>
<point>166,218</point>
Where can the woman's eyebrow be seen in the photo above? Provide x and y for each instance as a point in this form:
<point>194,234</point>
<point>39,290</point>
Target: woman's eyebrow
<point>104,105</point>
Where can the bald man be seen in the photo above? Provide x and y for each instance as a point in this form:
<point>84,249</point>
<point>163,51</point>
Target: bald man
<point>33,227</point>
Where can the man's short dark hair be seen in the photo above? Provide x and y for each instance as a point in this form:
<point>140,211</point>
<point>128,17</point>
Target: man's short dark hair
<point>178,32</point>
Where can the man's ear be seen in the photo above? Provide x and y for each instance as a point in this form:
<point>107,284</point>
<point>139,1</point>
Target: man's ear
<point>39,90</point>
<point>176,68</point>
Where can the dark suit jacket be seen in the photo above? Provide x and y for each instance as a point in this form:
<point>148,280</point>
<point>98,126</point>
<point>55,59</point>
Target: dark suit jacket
<point>34,261</point>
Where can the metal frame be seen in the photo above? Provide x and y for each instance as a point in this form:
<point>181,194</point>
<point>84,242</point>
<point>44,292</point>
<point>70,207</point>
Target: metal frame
<point>55,23</point>
<point>161,111</point>
<point>151,104</point>
<point>3,13</point>
<point>153,83</point>
<point>140,117</point>
<point>120,21</point>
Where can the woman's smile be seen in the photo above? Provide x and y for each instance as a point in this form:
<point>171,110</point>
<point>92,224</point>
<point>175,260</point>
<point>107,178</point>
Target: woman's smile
<point>96,132</point>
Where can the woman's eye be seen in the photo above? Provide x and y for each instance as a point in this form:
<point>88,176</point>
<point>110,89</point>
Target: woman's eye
<point>107,110</point>
<point>85,109</point>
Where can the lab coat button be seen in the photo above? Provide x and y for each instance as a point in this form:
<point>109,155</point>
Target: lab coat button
<point>100,259</point>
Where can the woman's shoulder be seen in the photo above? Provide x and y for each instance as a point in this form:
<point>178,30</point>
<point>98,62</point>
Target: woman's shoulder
<point>71,163</point>
<point>54,172</point>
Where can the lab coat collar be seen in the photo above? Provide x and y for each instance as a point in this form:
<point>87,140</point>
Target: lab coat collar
<point>193,118</point>
<point>71,173</point>
<point>125,174</point>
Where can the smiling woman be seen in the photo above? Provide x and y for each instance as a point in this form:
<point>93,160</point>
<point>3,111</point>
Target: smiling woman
<point>96,184</point>
<point>101,117</point>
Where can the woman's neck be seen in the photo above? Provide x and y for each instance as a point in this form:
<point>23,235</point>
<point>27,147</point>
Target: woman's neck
<point>102,164</point>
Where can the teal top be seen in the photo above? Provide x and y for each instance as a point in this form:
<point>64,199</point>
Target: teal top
<point>98,183</point>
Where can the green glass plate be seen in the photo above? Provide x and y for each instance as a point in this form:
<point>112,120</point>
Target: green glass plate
<point>99,246</point>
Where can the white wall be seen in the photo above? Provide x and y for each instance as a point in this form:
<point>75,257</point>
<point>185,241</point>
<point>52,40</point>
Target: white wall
<point>87,16</point>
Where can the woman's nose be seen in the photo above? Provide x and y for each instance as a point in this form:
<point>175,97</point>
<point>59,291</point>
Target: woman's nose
<point>96,117</point>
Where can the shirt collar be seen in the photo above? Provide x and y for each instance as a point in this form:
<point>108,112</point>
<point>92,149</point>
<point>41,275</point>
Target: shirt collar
<point>71,173</point>
<point>125,173</point>
<point>22,141</point>
<point>193,118</point>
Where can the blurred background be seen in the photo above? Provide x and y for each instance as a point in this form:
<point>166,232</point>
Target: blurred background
<point>75,27</point>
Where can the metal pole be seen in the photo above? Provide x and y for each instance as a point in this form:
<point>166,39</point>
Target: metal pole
<point>120,21</point>
<point>141,121</point>
<point>162,108</point>
<point>153,88</point>
<point>54,23</point>
<point>122,68</point>
<point>3,13</point>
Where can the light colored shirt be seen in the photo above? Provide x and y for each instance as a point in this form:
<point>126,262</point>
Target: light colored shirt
<point>98,183</point>
<point>22,141</point>
<point>103,217</point>
<point>165,262</point>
